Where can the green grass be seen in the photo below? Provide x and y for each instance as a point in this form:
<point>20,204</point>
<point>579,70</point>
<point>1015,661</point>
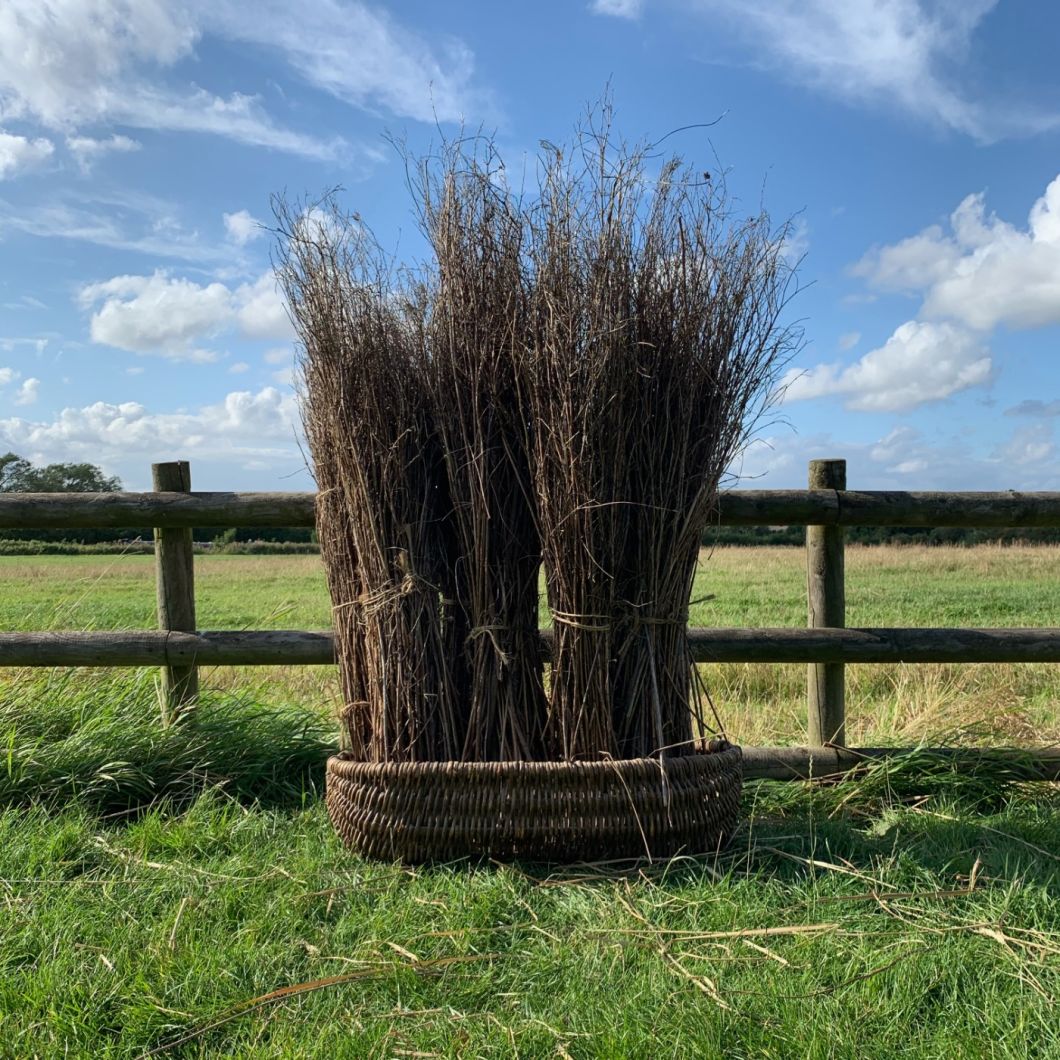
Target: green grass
<point>840,922</point>
<point>156,882</point>
<point>886,586</point>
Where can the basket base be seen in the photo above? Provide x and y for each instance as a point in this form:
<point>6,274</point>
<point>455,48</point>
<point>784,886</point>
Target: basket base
<point>536,811</point>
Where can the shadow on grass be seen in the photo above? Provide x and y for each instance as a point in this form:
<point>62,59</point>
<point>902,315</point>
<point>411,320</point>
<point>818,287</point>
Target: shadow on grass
<point>893,829</point>
<point>98,740</point>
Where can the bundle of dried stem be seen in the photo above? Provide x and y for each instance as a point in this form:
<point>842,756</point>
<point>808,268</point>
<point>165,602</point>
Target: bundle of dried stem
<point>475,330</point>
<point>565,383</point>
<point>383,511</point>
<point>654,345</point>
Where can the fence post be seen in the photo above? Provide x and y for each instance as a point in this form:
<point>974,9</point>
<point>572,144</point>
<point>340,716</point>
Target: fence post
<point>176,589</point>
<point>826,598</point>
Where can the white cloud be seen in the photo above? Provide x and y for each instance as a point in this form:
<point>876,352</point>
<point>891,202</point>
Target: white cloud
<point>618,8</point>
<point>909,467</point>
<point>1029,446</point>
<point>242,227</point>
<point>910,264</point>
<point>903,459</point>
<point>278,355</point>
<point>158,314</point>
<point>146,227</point>
<point>87,151</point>
<point>173,317</point>
<point>238,368</point>
<point>68,64</point>
<point>919,363</point>
<point>9,342</point>
<point>18,154</point>
<point>261,310</point>
<point>239,117</point>
<point>849,340</point>
<point>26,301</point>
<point>27,392</point>
<point>902,53</point>
<point>983,271</point>
<point>243,425</point>
<point>360,54</point>
<point>796,242</point>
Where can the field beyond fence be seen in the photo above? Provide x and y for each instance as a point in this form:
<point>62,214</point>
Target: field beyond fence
<point>827,644</point>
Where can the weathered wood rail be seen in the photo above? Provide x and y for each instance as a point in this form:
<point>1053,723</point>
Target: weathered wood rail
<point>809,507</point>
<point>826,646</point>
<point>295,647</point>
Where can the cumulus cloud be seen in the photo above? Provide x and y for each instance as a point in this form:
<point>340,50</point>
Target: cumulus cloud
<point>261,311</point>
<point>904,54</point>
<point>87,150</point>
<point>158,314</point>
<point>242,227</point>
<point>27,392</point>
<point>921,362</point>
<point>981,271</point>
<point>617,8</point>
<point>173,317</point>
<point>244,425</point>
<point>18,154</point>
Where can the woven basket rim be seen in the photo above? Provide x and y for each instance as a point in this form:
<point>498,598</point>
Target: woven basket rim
<point>344,764</point>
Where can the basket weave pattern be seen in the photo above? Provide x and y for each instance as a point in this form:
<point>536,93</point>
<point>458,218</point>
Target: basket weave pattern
<point>544,811</point>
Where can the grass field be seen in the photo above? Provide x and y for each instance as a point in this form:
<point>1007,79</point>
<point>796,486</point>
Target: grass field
<point>181,890</point>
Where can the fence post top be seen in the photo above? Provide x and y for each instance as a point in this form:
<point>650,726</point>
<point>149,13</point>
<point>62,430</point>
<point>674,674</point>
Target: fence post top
<point>828,474</point>
<point>172,476</point>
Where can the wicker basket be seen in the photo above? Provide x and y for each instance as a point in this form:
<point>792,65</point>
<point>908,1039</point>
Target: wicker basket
<point>537,811</point>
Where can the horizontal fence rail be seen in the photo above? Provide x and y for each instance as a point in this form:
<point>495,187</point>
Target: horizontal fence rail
<point>810,507</point>
<point>826,646</point>
<point>291,647</point>
<point>806,763</point>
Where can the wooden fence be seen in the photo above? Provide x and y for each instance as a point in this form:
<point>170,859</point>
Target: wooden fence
<point>825,645</point>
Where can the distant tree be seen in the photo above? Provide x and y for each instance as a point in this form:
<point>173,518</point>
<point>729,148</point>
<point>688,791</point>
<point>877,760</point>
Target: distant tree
<point>18,475</point>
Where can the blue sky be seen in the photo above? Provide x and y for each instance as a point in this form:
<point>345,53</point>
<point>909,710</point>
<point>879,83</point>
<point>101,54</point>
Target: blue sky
<point>917,142</point>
